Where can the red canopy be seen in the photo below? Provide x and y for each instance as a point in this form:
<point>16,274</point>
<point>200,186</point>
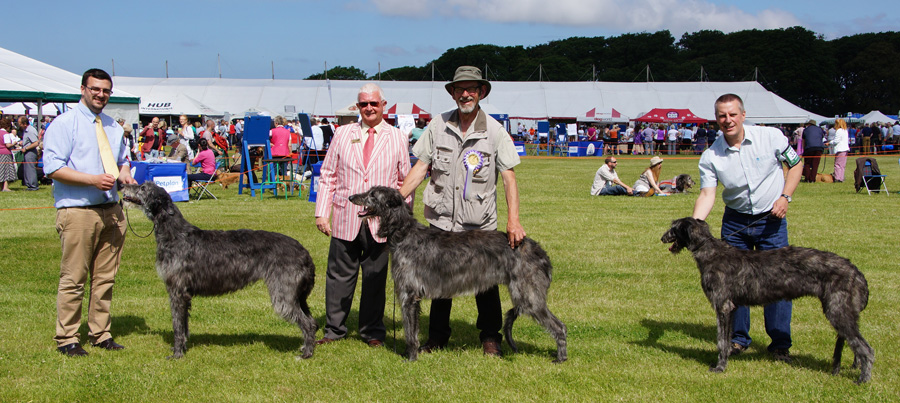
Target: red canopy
<point>406,108</point>
<point>669,115</point>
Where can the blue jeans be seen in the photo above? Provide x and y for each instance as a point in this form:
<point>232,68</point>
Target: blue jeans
<point>768,233</point>
<point>614,190</point>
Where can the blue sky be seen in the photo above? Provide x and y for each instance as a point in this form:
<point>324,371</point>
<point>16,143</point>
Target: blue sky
<point>301,36</point>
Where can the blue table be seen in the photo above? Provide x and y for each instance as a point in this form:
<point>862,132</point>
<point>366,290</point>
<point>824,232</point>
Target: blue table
<point>170,176</point>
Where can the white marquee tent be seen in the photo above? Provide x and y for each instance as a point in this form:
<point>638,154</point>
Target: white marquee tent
<point>877,117</point>
<point>23,79</point>
<point>520,100</point>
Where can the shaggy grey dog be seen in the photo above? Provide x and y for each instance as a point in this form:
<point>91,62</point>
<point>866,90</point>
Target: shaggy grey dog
<point>680,184</point>
<point>431,263</point>
<point>193,262</point>
<point>732,277</point>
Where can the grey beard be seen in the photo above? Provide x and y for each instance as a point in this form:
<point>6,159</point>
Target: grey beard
<point>466,110</point>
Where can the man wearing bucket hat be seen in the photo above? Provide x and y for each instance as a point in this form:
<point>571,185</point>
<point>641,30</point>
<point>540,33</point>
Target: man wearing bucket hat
<point>467,150</point>
<point>179,152</point>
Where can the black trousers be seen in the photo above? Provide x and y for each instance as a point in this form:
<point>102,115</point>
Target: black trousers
<point>490,317</point>
<point>345,261</point>
<point>811,160</point>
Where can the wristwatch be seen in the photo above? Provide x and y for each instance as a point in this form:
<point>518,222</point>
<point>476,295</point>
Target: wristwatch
<point>787,197</point>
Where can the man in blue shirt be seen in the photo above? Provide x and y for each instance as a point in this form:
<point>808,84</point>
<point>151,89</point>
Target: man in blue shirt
<point>747,161</point>
<point>89,220</point>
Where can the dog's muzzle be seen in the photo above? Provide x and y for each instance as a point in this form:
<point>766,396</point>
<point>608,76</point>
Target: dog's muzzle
<point>132,200</point>
<point>669,238</point>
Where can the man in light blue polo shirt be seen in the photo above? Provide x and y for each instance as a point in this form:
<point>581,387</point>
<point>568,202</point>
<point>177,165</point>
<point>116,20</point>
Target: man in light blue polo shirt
<point>90,223</point>
<point>747,160</point>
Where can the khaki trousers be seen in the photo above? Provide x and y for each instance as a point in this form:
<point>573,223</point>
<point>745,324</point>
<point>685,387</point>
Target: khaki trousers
<point>92,239</point>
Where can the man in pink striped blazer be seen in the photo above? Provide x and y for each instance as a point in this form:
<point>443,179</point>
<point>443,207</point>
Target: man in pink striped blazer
<point>362,155</point>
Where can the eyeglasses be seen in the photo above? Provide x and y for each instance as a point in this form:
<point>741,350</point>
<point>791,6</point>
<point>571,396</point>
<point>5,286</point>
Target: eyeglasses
<point>373,104</point>
<point>614,162</point>
<point>98,90</point>
<point>470,90</point>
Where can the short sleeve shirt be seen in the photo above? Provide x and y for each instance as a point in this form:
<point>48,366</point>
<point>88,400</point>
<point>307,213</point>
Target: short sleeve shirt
<point>752,174</point>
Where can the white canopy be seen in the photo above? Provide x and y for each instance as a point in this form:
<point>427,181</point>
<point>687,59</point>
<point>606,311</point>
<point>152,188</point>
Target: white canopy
<point>23,79</point>
<point>521,100</point>
<point>877,117</point>
<point>28,108</point>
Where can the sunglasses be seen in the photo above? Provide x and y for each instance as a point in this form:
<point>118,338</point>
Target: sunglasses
<point>373,104</point>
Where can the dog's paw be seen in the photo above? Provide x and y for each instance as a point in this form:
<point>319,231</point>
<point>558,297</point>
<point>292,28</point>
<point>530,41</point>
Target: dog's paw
<point>175,356</point>
<point>717,370</point>
<point>304,356</point>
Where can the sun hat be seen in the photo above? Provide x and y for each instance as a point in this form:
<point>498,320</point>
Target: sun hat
<point>171,140</point>
<point>655,161</point>
<point>469,73</point>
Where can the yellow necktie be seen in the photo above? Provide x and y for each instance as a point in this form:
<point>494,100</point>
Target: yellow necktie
<point>106,155</point>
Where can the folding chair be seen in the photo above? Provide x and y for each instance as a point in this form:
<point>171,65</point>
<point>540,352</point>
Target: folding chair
<point>874,183</point>
<point>200,186</point>
<point>562,146</point>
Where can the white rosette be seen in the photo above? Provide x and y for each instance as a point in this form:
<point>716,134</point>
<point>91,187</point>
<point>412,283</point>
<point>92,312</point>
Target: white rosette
<point>473,161</point>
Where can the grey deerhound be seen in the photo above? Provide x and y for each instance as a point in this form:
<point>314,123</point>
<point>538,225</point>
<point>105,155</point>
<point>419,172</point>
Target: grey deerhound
<point>431,263</point>
<point>732,277</point>
<point>194,262</point>
<point>680,184</point>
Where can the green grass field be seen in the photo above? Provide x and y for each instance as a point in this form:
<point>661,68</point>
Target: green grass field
<point>640,328</point>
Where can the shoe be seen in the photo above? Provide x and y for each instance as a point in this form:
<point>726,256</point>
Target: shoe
<point>375,343</point>
<point>431,346</point>
<point>781,354</point>
<point>109,344</point>
<point>325,340</point>
<point>491,348</point>
<point>737,349</point>
<point>72,350</point>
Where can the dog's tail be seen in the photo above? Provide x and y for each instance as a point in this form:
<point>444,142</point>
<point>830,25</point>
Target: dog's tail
<point>511,316</point>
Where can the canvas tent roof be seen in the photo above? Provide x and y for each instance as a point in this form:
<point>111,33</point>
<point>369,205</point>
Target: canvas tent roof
<point>406,108</point>
<point>600,115</point>
<point>521,100</point>
<point>877,117</point>
<point>670,115</point>
<point>23,79</point>
<point>22,108</point>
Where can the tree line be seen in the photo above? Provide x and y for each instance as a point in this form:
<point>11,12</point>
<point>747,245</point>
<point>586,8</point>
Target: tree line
<point>855,73</point>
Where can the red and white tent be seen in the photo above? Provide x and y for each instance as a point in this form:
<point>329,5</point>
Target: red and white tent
<point>600,115</point>
<point>670,115</point>
<point>406,108</point>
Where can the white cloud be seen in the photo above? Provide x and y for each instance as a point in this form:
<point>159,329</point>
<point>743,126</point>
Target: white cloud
<point>677,16</point>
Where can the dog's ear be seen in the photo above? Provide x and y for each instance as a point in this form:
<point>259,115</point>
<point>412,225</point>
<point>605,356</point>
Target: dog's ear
<point>392,197</point>
<point>699,229</point>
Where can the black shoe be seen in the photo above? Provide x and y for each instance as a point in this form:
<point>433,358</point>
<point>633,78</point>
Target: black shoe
<point>737,349</point>
<point>109,344</point>
<point>431,346</point>
<point>781,354</point>
<point>72,350</point>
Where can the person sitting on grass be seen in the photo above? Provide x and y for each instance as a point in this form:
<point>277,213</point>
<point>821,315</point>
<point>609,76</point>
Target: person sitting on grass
<point>648,183</point>
<point>607,182</point>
